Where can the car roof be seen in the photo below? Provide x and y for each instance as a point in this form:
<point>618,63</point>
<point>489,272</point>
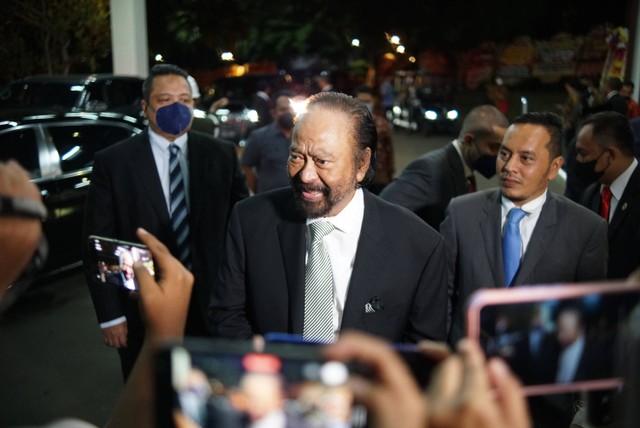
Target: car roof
<point>75,78</point>
<point>8,121</point>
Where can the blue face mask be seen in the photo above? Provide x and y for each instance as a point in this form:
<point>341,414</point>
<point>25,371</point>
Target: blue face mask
<point>174,118</point>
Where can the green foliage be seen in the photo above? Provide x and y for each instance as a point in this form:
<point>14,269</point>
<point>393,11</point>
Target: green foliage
<point>54,36</point>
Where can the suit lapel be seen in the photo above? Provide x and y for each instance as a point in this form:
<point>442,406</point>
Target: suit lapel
<point>630,196</point>
<point>292,234</point>
<point>369,256</point>
<point>145,166</point>
<point>537,244</point>
<point>490,226</point>
<point>197,169</point>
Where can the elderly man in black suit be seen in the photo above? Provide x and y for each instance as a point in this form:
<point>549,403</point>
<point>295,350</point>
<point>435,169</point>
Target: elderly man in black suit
<point>605,158</point>
<point>179,185</point>
<point>381,269</point>
<point>429,182</point>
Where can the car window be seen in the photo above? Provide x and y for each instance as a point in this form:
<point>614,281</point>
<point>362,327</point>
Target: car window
<point>78,144</point>
<point>43,95</point>
<point>20,145</point>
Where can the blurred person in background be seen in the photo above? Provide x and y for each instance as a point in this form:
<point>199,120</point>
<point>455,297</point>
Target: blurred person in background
<point>429,182</point>
<point>262,103</point>
<point>605,158</point>
<point>633,108</point>
<point>385,155</point>
<point>264,159</point>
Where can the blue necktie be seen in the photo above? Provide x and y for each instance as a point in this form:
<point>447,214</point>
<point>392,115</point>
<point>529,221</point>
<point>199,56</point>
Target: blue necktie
<point>178,207</point>
<point>512,245</point>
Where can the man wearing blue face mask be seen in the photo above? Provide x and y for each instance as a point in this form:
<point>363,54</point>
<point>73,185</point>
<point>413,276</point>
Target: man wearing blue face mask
<point>179,185</point>
<point>429,182</point>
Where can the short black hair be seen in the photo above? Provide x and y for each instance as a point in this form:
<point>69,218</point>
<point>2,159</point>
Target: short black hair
<point>161,70</point>
<point>611,127</point>
<point>552,123</point>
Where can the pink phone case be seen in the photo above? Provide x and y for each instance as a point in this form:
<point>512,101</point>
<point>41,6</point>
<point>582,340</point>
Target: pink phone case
<point>571,352</point>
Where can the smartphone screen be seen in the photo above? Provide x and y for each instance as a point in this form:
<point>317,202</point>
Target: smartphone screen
<point>113,261</point>
<point>219,383</point>
<point>558,338</point>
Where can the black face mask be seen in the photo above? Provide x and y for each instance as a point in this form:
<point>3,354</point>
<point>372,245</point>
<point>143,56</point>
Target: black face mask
<point>285,121</point>
<point>486,165</point>
<point>586,171</point>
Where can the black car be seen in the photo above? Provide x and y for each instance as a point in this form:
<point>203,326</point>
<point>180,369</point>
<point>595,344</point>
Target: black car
<point>425,114</point>
<point>57,150</point>
<point>74,93</point>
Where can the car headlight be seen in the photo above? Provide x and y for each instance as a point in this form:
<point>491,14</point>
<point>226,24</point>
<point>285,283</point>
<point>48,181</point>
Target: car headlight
<point>430,115</point>
<point>452,114</point>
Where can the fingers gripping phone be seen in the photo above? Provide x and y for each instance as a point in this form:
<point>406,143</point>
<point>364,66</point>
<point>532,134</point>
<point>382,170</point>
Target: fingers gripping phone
<point>113,260</point>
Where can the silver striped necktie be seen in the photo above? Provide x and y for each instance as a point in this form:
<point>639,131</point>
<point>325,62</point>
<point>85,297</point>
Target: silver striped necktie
<point>318,287</point>
<point>178,207</point>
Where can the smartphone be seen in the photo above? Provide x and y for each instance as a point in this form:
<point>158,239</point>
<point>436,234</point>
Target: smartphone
<point>113,261</point>
<point>420,365</point>
<point>558,338</point>
<point>226,383</point>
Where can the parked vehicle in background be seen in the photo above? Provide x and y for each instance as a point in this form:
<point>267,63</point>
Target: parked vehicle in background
<point>74,93</point>
<point>236,121</point>
<point>57,150</point>
<point>422,114</point>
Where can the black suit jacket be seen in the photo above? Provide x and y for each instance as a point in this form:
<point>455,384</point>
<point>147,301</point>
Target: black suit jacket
<point>624,228</point>
<point>398,268</point>
<point>126,193</point>
<point>615,103</point>
<point>568,244</point>
<point>428,183</point>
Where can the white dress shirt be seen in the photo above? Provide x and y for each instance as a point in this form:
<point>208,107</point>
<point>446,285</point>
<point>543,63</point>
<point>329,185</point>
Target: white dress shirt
<point>618,186</point>
<point>342,244</point>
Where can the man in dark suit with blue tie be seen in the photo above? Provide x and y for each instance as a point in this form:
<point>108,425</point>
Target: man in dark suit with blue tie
<point>605,158</point>
<point>386,273</point>
<point>179,185</point>
<point>523,234</point>
<point>557,239</point>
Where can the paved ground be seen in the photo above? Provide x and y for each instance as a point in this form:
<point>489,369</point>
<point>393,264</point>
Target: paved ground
<point>52,360</point>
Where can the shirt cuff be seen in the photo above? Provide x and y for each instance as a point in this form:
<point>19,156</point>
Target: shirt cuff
<point>111,323</point>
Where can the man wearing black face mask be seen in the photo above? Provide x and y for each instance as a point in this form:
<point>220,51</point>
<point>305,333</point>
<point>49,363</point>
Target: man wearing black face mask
<point>428,183</point>
<point>605,158</point>
<point>264,159</point>
<point>179,185</point>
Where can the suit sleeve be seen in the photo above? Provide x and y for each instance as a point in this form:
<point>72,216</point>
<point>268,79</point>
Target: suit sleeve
<point>429,311</point>
<point>448,232</point>
<point>99,220</point>
<point>595,257</point>
<point>239,189</point>
<point>227,313</point>
<point>411,189</point>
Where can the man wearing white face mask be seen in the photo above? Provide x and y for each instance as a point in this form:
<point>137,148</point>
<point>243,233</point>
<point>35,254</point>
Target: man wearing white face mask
<point>385,161</point>
<point>178,185</point>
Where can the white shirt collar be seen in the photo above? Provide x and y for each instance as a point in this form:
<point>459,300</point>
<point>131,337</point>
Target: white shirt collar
<point>349,220</point>
<point>529,207</point>
<point>620,183</point>
<point>467,171</point>
<point>163,144</point>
